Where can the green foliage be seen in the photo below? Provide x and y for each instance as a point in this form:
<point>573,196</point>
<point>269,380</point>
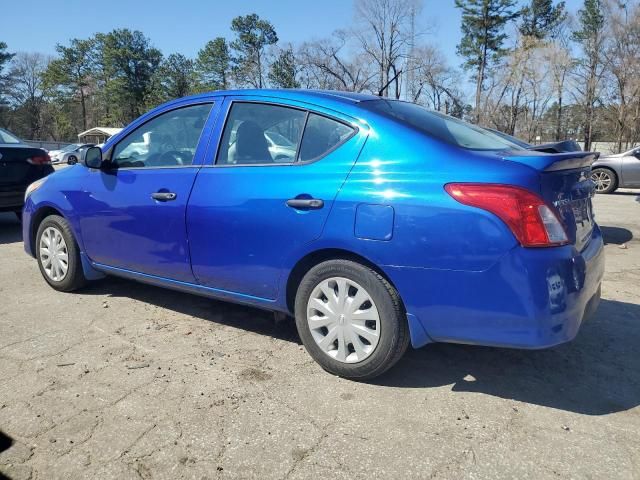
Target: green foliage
<point>591,23</point>
<point>283,70</point>
<point>483,36</point>
<point>5,57</point>
<point>483,30</point>
<point>541,18</point>
<point>174,78</point>
<point>253,36</point>
<point>127,62</point>
<point>213,65</point>
<point>69,74</point>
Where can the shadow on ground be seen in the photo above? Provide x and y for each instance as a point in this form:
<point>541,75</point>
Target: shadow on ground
<point>10,228</point>
<point>596,374</point>
<point>616,235</point>
<point>225,313</point>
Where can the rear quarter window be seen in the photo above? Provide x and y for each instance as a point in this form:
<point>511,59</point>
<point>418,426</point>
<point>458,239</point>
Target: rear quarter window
<point>322,135</point>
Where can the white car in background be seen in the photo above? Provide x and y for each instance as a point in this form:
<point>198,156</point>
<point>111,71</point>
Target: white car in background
<point>56,155</point>
<point>73,156</point>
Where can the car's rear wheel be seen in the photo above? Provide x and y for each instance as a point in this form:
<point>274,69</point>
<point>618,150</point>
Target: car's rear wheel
<point>606,180</point>
<point>350,319</point>
<point>58,254</point>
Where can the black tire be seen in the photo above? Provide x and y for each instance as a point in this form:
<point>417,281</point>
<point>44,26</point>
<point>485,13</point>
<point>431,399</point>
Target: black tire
<point>72,160</point>
<point>605,172</point>
<point>74,278</point>
<point>394,331</point>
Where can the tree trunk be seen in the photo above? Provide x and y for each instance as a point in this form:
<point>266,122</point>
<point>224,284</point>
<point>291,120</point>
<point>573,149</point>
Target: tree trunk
<point>559,117</point>
<point>84,109</point>
<point>479,88</point>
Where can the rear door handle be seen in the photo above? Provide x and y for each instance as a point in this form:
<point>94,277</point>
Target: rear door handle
<point>164,196</point>
<point>305,203</point>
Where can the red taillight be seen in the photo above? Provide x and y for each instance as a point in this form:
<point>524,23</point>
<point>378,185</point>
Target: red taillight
<point>530,219</point>
<point>40,159</point>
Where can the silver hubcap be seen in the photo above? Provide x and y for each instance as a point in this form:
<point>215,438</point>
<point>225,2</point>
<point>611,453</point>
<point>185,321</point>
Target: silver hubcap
<point>54,255</point>
<point>602,180</point>
<point>343,320</point>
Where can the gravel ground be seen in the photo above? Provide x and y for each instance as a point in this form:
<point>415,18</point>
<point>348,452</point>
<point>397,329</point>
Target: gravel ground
<point>128,381</point>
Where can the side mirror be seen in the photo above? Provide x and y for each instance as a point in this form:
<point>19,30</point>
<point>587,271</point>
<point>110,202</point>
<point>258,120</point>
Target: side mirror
<point>93,157</point>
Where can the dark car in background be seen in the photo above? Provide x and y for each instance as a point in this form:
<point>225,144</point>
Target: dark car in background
<point>563,146</point>
<point>20,165</point>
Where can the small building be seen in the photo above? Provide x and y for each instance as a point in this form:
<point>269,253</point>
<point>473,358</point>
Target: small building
<point>97,134</point>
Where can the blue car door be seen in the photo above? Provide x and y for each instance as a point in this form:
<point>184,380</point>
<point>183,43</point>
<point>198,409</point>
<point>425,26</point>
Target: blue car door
<point>269,190</point>
<point>132,215</point>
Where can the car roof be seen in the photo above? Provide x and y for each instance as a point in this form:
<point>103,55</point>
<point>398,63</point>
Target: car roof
<point>292,93</point>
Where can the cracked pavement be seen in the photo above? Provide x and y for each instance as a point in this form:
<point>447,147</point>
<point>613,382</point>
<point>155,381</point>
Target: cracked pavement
<point>129,381</point>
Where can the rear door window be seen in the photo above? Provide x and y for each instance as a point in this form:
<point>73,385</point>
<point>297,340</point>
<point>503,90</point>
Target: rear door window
<point>260,133</point>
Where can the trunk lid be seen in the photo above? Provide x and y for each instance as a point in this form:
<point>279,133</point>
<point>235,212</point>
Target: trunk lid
<point>566,185</point>
<point>15,170</point>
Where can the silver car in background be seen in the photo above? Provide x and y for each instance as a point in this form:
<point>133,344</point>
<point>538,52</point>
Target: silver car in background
<point>617,171</point>
<point>73,156</point>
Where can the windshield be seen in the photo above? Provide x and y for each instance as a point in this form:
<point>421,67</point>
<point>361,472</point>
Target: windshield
<point>69,148</point>
<point>6,137</point>
<point>440,126</point>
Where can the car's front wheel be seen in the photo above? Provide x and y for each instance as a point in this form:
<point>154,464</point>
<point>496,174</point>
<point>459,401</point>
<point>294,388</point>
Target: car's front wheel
<point>606,180</point>
<point>350,319</point>
<point>58,254</point>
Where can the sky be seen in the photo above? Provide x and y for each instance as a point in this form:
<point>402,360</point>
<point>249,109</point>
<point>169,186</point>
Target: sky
<point>184,26</point>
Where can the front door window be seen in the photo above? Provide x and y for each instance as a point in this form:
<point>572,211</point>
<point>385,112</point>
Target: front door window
<point>168,140</point>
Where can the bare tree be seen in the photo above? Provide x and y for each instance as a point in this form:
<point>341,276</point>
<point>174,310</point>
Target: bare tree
<point>622,55</point>
<point>434,83</point>
<point>26,89</point>
<point>326,64</point>
<point>559,62</point>
<point>384,30</point>
<point>590,66</point>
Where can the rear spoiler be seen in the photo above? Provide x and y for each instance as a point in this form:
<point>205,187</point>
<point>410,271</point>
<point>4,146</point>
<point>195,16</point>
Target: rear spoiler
<point>557,147</point>
<point>550,162</point>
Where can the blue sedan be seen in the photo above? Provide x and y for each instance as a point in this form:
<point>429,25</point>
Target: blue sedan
<point>375,222</point>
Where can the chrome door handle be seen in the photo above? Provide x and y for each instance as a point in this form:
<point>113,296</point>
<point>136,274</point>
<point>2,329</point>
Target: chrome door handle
<point>164,196</point>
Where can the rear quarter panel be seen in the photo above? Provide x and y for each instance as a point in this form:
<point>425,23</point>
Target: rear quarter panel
<point>407,171</point>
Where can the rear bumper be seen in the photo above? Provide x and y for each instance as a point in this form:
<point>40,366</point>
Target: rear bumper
<point>531,298</point>
<point>11,200</point>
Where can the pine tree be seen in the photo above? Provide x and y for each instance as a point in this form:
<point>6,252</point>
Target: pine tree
<point>5,57</point>
<point>483,35</point>
<point>214,64</point>
<point>253,36</point>
<point>590,36</point>
<point>283,70</point>
<point>541,18</point>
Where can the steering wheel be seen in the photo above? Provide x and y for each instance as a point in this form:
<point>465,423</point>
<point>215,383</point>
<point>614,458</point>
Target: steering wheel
<point>173,157</point>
